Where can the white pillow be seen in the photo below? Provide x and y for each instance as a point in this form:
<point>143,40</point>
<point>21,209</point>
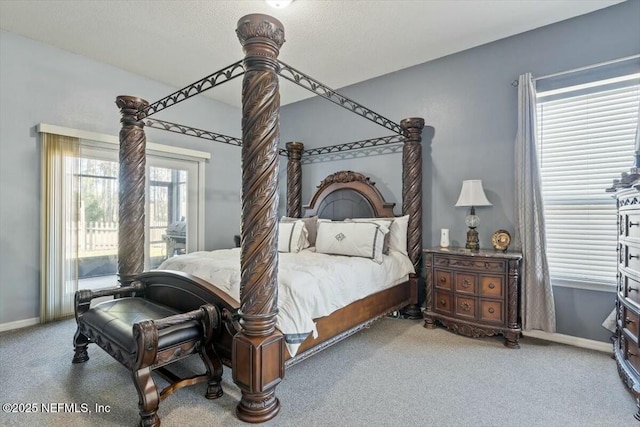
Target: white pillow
<point>310,223</point>
<point>380,221</point>
<point>397,239</point>
<point>292,236</point>
<point>398,231</point>
<point>361,239</point>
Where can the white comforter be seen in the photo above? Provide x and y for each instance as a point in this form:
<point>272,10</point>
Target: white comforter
<point>311,285</point>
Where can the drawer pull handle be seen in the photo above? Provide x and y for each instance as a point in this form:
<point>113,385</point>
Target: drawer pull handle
<point>627,321</point>
<point>491,285</point>
<point>443,279</point>
<point>443,302</point>
<point>633,256</point>
<point>465,306</point>
<point>633,224</point>
<point>466,283</point>
<point>630,289</point>
<point>491,310</point>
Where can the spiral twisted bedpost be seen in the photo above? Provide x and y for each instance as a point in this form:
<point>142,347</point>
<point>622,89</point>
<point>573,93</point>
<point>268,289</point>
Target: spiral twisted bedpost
<point>412,195</point>
<point>131,188</point>
<point>258,350</point>
<point>294,179</point>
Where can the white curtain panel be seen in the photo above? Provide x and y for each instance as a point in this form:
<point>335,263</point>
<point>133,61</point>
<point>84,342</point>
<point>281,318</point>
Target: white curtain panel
<point>536,298</point>
<point>59,247</point>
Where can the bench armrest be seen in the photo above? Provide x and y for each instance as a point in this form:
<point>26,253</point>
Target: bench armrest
<point>147,332</point>
<point>83,297</point>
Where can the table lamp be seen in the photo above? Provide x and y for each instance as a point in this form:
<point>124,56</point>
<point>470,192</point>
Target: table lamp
<point>472,195</point>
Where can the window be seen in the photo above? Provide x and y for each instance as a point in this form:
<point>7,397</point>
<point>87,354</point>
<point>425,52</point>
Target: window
<point>80,211</point>
<point>586,138</point>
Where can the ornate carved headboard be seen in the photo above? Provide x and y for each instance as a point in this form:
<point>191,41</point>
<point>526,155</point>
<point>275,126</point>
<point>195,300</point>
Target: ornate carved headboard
<point>348,194</point>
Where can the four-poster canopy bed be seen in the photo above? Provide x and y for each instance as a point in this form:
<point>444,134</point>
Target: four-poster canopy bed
<point>241,331</point>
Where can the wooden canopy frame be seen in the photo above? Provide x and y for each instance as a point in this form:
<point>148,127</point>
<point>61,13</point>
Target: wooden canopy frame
<point>258,355</point>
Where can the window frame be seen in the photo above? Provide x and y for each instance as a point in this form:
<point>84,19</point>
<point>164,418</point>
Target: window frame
<point>597,87</point>
<point>106,147</point>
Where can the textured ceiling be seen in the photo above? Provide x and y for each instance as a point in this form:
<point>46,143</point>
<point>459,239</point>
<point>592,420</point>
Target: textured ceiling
<point>337,42</point>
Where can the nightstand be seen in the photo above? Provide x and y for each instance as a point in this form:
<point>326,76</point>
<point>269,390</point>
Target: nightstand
<point>474,293</point>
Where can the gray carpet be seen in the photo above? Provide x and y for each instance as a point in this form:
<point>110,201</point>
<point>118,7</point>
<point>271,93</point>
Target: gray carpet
<point>395,373</point>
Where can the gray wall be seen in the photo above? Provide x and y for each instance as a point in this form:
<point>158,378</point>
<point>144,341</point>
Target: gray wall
<point>468,101</point>
<point>40,83</point>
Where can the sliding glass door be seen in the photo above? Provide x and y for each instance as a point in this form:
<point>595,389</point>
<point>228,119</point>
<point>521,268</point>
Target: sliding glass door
<point>97,223</point>
<point>172,209</point>
<point>172,213</point>
<point>80,212</point>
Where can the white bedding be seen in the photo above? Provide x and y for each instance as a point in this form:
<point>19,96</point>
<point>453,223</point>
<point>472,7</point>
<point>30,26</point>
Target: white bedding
<point>311,285</point>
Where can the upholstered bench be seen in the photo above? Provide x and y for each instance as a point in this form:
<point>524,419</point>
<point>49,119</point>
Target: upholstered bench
<point>144,334</point>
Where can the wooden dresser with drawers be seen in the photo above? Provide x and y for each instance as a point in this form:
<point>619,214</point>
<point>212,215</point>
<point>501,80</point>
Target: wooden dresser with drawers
<point>474,293</point>
<point>626,348</point>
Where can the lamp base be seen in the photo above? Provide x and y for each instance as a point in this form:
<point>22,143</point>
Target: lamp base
<point>473,242</point>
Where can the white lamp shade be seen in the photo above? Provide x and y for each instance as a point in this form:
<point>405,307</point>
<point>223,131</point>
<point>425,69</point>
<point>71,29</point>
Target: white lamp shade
<point>472,194</point>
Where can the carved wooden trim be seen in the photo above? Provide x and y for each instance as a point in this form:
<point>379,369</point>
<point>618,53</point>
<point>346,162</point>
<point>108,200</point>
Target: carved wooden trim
<point>259,346</point>
<point>266,32</point>
<point>469,263</point>
<point>145,334</point>
<point>345,177</point>
<point>514,298</point>
<point>469,330</point>
<point>628,201</point>
<point>428,266</point>
<point>412,195</point>
<point>131,188</point>
<point>260,133</point>
<point>294,179</point>
<point>353,181</point>
<point>412,185</point>
<point>626,374</point>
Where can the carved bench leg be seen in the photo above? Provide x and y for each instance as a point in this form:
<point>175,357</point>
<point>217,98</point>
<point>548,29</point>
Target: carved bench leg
<point>148,397</point>
<point>214,372</point>
<point>80,342</point>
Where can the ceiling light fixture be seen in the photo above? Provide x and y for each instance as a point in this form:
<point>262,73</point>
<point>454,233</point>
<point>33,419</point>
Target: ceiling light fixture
<point>279,4</point>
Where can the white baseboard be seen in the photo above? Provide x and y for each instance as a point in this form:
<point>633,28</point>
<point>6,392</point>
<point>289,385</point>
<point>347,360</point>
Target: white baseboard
<point>570,340</point>
<point>9,326</point>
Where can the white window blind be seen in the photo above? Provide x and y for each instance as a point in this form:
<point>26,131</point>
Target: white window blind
<point>585,140</point>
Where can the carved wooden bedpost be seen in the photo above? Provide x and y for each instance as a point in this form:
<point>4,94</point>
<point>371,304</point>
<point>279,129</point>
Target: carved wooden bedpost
<point>258,350</point>
<point>294,179</point>
<point>131,188</point>
<point>412,197</point>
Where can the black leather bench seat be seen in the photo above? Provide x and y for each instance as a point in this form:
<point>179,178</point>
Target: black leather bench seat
<point>115,318</point>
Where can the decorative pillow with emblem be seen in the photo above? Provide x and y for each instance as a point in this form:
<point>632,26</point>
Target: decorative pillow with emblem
<point>361,239</point>
<point>292,236</point>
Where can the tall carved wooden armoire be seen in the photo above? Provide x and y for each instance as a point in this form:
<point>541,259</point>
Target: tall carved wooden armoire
<point>626,346</point>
